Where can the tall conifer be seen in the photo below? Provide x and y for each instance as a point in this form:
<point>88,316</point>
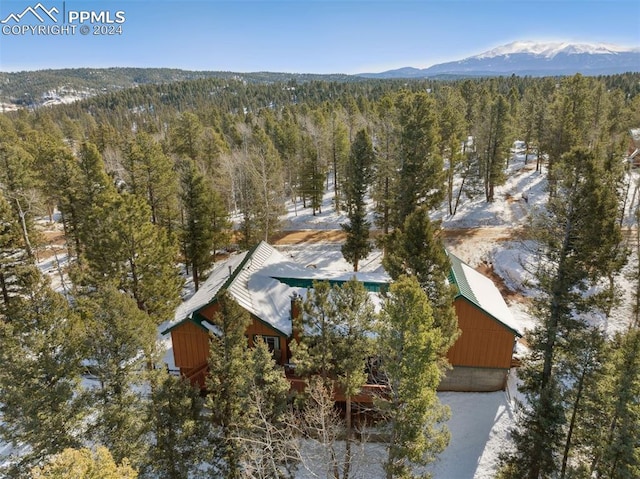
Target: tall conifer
<point>410,350</point>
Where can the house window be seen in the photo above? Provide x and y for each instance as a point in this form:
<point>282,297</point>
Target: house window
<point>272,341</point>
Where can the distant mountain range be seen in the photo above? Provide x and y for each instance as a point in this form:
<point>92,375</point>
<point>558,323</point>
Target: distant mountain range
<point>49,87</point>
<point>532,59</point>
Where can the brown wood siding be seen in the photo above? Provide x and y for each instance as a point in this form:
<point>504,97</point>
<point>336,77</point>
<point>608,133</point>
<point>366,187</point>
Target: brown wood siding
<point>190,345</point>
<point>258,328</point>
<point>210,310</point>
<point>483,343</point>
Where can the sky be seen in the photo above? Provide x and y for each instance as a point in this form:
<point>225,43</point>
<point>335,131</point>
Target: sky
<point>303,36</point>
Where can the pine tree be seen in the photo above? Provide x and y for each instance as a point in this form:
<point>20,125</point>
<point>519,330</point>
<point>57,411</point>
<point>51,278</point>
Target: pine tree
<point>417,250</point>
<point>135,254</point>
<point>579,228</point>
<point>335,344</point>
<point>177,424</point>
<point>582,368</point>
<point>149,174</point>
<point>569,114</point>
<point>410,351</point>
<point>386,166</point>
<point>494,145</point>
<point>452,136</point>
<point>17,184</point>
<point>186,136</point>
<point>18,273</point>
<point>41,358</point>
<point>352,321</point>
<point>120,340</point>
<point>314,352</point>
<point>228,384</point>
<point>311,175</point>
<point>197,230</point>
<point>618,453</point>
<point>84,464</point>
<point>357,178</point>
<point>421,175</point>
<point>339,156</point>
<point>269,445</point>
<point>61,178</point>
<point>94,191</point>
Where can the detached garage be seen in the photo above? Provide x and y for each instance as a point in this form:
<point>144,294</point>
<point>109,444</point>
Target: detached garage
<point>481,357</point>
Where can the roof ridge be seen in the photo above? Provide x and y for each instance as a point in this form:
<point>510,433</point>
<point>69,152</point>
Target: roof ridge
<point>459,277</point>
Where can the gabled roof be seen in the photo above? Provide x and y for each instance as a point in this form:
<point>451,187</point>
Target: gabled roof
<point>481,291</point>
<point>262,281</point>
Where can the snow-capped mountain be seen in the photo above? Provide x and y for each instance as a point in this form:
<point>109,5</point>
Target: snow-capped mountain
<point>549,50</point>
<point>533,59</point>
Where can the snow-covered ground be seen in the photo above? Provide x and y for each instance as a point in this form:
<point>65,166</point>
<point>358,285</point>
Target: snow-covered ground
<point>482,234</point>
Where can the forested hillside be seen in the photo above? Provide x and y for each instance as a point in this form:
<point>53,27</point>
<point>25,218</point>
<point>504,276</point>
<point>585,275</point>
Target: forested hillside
<point>32,88</point>
<point>151,182</point>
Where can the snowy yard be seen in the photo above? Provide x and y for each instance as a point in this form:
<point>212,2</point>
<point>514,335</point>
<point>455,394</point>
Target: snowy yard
<point>482,234</point>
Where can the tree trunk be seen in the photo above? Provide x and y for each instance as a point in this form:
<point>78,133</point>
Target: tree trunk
<point>25,233</point>
<point>3,286</point>
<point>572,423</point>
<point>347,439</point>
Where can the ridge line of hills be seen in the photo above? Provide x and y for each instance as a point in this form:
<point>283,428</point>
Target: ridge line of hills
<point>55,86</point>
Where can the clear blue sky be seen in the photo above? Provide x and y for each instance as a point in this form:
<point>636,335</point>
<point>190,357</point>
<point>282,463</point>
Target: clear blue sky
<point>312,36</point>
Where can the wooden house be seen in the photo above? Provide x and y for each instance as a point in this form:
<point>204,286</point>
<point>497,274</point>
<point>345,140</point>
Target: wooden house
<point>482,355</point>
<point>264,282</point>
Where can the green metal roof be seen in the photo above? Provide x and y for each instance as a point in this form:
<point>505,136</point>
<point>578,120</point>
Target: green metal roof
<point>480,291</point>
<point>371,286</point>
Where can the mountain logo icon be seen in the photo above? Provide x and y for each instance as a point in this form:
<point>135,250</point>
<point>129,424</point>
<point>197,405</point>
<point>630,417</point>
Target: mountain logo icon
<point>38,11</point>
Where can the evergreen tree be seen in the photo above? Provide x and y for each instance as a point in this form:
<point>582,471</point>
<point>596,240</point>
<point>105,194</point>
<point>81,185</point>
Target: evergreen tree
<point>386,166</point>
<point>494,144</point>
<point>337,325</point>
<point>186,136</point>
<point>84,464</point>
<point>421,175</point>
<point>352,324</point>
<point>18,273</point>
<point>582,366</point>
<point>228,384</point>
<point>339,156</point>
<point>357,179</point>
<point>41,358</point>
<point>578,229</point>
<point>452,136</point>
<point>569,121</point>
<point>149,174</point>
<point>17,184</point>
<point>410,351</point>
<point>314,352</point>
<point>197,235</point>
<point>135,254</point>
<point>311,175</point>
<point>94,191</point>
<point>120,339</point>
<point>61,178</point>
<point>177,425</point>
<point>269,445</point>
<point>618,452</point>
<point>417,250</point>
